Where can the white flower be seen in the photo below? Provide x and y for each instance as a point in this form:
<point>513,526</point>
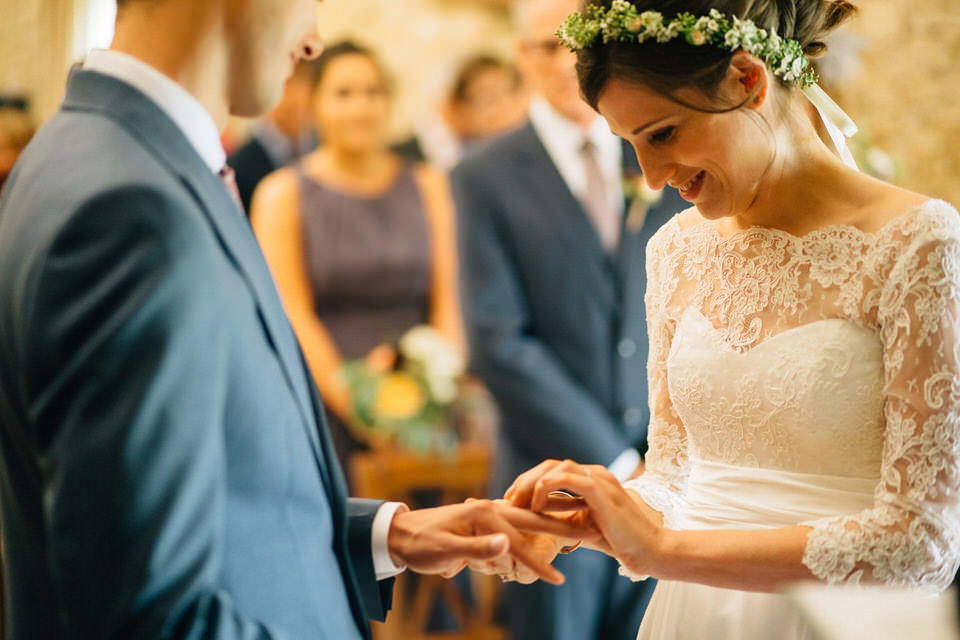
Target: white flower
<point>733,39</point>
<point>799,66</point>
<point>652,20</point>
<point>707,25</point>
<point>668,33</point>
<point>433,352</point>
<point>442,388</point>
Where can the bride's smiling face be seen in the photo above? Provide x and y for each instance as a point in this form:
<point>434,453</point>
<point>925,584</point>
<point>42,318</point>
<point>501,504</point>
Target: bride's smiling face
<point>715,160</point>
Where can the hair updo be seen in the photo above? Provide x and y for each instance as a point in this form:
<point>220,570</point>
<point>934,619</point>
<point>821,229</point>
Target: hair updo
<point>667,67</point>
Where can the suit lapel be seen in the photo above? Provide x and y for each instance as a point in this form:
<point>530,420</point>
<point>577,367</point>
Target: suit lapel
<point>122,103</point>
<point>537,172</point>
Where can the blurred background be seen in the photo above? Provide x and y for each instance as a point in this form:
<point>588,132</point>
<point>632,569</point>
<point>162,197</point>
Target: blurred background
<point>384,339</point>
<point>900,83</point>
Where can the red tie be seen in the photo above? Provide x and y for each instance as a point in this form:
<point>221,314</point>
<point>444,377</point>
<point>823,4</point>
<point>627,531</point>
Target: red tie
<point>229,179</point>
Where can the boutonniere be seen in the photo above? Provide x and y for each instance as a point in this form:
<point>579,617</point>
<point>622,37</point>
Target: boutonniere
<point>642,198</point>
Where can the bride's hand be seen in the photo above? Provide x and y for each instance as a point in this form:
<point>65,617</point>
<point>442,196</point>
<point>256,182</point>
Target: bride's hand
<point>630,532</point>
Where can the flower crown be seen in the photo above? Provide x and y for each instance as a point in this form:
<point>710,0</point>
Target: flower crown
<point>623,23</point>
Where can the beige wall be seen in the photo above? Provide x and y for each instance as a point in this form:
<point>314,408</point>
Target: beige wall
<point>36,38</point>
<point>421,42</point>
<point>908,97</point>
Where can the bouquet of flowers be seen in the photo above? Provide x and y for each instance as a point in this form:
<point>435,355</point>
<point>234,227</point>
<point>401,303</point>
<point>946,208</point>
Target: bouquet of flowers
<point>405,394</point>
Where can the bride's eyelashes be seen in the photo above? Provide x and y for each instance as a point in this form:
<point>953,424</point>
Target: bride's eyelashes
<point>662,136</point>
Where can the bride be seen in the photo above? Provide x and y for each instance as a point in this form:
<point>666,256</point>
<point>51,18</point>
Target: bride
<point>804,350</point>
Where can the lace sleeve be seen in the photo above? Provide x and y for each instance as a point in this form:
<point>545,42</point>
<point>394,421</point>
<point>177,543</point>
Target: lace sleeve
<point>911,537</point>
<point>662,484</point>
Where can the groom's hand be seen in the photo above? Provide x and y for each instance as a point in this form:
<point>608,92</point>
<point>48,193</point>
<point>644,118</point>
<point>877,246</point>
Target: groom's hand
<point>443,540</point>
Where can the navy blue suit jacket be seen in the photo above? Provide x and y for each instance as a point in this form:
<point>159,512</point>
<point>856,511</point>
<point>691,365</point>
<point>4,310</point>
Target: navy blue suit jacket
<point>252,164</point>
<point>557,325</point>
<point>166,470</point>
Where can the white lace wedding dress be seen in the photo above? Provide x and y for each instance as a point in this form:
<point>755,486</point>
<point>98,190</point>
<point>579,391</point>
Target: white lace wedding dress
<point>806,380</point>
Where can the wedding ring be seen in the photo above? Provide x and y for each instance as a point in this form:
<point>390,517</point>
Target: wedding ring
<point>571,548</point>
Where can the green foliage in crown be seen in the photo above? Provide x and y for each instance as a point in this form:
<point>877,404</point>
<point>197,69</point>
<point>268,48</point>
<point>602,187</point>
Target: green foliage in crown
<point>623,23</point>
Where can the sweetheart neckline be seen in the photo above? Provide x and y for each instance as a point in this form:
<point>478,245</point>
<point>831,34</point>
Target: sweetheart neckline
<point>719,333</point>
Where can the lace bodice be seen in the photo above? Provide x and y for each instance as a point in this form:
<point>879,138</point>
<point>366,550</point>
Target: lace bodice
<point>836,353</point>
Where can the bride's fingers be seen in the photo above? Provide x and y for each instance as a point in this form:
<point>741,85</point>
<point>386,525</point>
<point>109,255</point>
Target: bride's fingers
<point>557,502</point>
<point>522,488</point>
<point>596,492</point>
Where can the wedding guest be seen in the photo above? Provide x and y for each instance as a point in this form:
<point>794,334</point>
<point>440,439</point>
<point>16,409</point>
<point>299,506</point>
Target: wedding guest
<point>554,285</point>
<point>804,323</point>
<point>16,131</point>
<point>487,98</point>
<point>282,136</point>
<point>165,466</point>
<point>361,242</point>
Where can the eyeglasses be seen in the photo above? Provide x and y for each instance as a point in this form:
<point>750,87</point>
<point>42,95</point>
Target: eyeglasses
<point>547,47</point>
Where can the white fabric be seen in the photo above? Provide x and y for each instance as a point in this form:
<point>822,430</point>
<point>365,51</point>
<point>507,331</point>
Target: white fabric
<point>811,380</point>
<point>839,125</point>
<point>383,564</point>
<point>625,464</point>
<point>186,112</point>
<point>563,140</point>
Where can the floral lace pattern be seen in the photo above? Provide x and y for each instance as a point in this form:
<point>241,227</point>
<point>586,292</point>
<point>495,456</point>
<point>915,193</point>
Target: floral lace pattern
<point>859,338</point>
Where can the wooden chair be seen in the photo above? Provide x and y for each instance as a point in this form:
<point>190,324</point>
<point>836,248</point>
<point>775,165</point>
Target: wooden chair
<point>388,474</point>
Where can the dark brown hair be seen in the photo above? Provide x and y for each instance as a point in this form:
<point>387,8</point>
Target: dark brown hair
<point>667,67</point>
<point>475,67</point>
<point>321,64</point>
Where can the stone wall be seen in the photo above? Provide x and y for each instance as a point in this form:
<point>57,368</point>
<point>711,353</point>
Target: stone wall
<point>421,42</point>
<point>907,96</point>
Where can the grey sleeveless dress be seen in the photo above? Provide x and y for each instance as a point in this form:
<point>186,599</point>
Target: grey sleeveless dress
<point>368,260</point>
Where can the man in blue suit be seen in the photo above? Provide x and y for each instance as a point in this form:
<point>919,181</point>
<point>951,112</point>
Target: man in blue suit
<point>554,299</point>
<point>165,469</point>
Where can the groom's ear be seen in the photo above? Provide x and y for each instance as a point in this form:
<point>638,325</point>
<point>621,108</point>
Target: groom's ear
<point>747,81</point>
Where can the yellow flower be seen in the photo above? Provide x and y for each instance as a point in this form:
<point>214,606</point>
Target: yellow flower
<point>399,397</point>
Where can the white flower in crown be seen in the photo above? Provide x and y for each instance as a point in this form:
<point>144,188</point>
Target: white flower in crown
<point>622,23</point>
<point>707,25</point>
<point>652,20</point>
<point>667,34</point>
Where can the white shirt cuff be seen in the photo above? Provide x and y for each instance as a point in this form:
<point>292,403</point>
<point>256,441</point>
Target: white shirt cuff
<point>383,565</point>
<point>625,464</point>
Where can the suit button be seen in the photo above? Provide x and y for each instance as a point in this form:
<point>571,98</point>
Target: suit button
<point>632,416</point>
<point>627,348</point>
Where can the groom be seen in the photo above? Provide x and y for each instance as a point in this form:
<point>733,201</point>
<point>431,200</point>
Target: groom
<point>165,469</point>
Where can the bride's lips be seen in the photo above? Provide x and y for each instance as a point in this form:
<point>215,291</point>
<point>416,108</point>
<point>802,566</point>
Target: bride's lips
<point>692,187</point>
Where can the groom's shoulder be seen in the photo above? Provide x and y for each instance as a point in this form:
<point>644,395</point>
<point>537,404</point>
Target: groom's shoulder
<point>76,157</point>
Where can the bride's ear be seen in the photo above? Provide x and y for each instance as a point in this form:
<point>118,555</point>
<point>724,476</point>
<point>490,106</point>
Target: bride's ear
<point>747,80</point>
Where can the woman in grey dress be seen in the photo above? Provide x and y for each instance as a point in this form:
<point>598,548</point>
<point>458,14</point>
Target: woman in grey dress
<point>361,243</point>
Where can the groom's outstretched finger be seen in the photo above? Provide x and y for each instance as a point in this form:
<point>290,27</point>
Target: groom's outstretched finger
<point>478,548</point>
<point>559,526</point>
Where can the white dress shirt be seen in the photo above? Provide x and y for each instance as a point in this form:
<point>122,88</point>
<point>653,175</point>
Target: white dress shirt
<point>198,126</point>
<point>564,140</point>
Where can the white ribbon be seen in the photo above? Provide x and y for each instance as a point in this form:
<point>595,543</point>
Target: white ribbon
<point>839,125</point>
